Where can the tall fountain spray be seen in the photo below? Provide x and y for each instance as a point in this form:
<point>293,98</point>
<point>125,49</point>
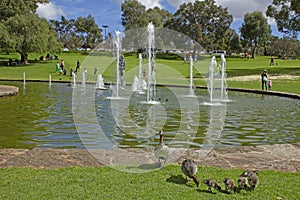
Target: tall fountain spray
<point>118,47</point>
<point>224,95</point>
<point>151,65</point>
<point>73,79</point>
<point>217,86</point>
<point>210,87</point>
<point>139,83</point>
<point>191,78</point>
<point>83,80</point>
<point>140,86</point>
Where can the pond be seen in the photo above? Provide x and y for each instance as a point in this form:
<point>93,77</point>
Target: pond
<point>48,117</point>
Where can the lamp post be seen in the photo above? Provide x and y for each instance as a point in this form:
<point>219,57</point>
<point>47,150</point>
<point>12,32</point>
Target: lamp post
<point>105,27</point>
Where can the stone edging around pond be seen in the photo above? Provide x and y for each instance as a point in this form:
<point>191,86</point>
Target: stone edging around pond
<point>6,90</point>
<point>14,90</point>
<point>281,157</point>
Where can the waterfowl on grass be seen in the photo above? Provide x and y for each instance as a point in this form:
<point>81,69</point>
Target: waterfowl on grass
<point>189,168</point>
<point>242,182</point>
<point>212,184</point>
<point>251,177</point>
<point>162,151</point>
<point>253,181</point>
<point>229,184</point>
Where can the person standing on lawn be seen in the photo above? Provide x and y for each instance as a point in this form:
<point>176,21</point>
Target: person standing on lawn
<point>264,80</point>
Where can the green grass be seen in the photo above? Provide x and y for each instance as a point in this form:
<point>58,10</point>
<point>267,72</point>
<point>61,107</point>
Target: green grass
<point>106,183</point>
<point>168,71</point>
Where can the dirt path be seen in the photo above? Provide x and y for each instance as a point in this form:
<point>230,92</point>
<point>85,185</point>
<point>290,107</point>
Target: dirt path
<point>284,157</point>
<point>257,78</point>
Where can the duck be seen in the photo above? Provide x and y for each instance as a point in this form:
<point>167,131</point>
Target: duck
<point>162,151</point>
<point>253,180</point>
<point>211,184</point>
<point>189,169</point>
<point>242,182</point>
<point>229,184</point>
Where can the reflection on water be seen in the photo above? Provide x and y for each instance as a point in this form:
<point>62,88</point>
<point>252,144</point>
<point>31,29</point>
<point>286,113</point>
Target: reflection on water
<point>43,117</point>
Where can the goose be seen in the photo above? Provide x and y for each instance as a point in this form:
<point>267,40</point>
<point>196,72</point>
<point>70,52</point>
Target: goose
<point>242,182</point>
<point>211,184</point>
<point>162,151</point>
<point>189,169</point>
<point>253,180</point>
<point>229,184</point>
<point>251,177</point>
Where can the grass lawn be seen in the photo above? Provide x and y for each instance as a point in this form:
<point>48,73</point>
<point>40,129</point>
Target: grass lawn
<point>168,71</point>
<point>107,183</point>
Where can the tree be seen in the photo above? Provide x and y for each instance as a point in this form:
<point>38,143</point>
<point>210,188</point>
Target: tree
<point>88,30</point>
<point>10,8</point>
<point>283,47</point>
<point>24,31</point>
<point>67,32</point>
<point>203,21</point>
<point>134,15</point>
<point>30,33</point>
<point>233,43</point>
<point>159,17</point>
<point>255,31</point>
<point>286,14</point>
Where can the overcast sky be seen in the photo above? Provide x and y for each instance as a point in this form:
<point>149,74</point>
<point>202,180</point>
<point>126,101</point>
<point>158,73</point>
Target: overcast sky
<point>109,11</point>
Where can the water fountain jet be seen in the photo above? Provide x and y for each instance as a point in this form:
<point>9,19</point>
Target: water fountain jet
<point>151,94</point>
<point>50,79</point>
<point>115,90</point>
<point>100,83</point>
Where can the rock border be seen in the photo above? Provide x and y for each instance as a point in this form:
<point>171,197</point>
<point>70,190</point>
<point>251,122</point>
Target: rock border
<point>280,157</point>
<point>7,90</point>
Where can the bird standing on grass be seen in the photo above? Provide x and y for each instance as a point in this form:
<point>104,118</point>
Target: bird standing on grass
<point>242,182</point>
<point>212,184</point>
<point>253,180</point>
<point>189,168</point>
<point>229,184</point>
<point>162,151</point>
<point>251,177</point>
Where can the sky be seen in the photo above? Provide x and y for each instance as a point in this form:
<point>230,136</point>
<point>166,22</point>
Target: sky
<point>108,12</point>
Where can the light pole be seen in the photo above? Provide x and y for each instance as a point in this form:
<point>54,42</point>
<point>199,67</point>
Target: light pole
<point>105,27</point>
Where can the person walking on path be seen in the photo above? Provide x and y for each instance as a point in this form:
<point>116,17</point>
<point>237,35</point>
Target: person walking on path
<point>264,80</point>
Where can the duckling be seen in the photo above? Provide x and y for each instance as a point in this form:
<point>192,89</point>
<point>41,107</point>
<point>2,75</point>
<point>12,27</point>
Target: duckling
<point>246,173</point>
<point>212,184</point>
<point>229,184</point>
<point>189,168</point>
<point>242,182</point>
<point>162,151</point>
<point>253,180</point>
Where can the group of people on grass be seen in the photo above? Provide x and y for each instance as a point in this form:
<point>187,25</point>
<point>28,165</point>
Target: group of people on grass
<point>61,69</point>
